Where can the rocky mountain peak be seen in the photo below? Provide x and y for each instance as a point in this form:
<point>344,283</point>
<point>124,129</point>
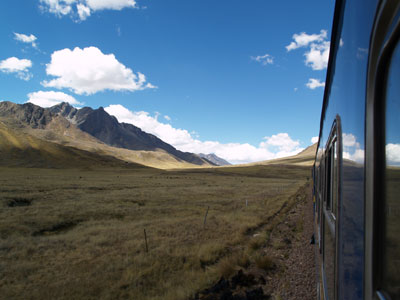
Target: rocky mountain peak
<point>215,159</point>
<point>28,114</point>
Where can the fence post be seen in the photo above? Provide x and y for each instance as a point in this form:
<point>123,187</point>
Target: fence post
<point>205,217</point>
<point>145,239</point>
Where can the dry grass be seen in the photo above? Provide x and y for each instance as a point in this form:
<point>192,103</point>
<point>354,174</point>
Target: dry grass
<point>78,234</point>
<point>265,262</point>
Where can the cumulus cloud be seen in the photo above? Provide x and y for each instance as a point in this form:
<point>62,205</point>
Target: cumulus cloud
<point>303,39</point>
<point>276,146</point>
<point>263,59</point>
<point>393,154</point>
<point>314,139</point>
<point>88,71</point>
<point>57,7</point>
<point>29,39</point>
<point>357,155</point>
<point>82,9</point>
<point>317,55</point>
<point>349,140</point>
<point>281,141</point>
<point>314,83</point>
<point>352,149</point>
<point>18,66</point>
<point>110,4</point>
<point>51,98</point>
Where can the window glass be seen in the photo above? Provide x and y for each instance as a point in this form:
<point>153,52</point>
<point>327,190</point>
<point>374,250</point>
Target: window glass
<point>334,179</point>
<point>329,179</point>
<point>329,259</point>
<point>391,222</point>
<point>329,224</point>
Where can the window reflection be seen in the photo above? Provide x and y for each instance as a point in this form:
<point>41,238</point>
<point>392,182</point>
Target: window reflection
<point>352,149</point>
<point>391,218</point>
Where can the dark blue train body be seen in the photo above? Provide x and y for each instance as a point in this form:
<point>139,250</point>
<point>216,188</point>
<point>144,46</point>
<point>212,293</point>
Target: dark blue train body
<point>357,167</point>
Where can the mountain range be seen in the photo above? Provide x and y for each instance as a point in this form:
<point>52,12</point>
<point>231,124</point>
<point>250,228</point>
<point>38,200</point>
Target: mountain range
<point>215,159</point>
<point>92,131</point>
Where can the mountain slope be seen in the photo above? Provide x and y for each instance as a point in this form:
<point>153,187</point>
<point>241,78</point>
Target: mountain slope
<point>18,148</point>
<point>95,131</point>
<point>304,158</point>
<point>218,161</point>
<point>107,129</point>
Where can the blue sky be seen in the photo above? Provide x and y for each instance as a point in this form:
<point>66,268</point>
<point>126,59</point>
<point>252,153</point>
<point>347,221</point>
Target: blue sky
<point>228,77</point>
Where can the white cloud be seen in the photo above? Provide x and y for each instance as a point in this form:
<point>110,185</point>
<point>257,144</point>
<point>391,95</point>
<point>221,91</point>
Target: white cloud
<point>303,39</point>
<point>362,53</point>
<point>168,118</point>
<point>314,139</point>
<point>393,154</point>
<point>314,83</point>
<point>83,11</point>
<point>263,59</point>
<point>279,145</point>
<point>51,98</point>
<point>57,7</point>
<point>317,55</point>
<point>349,140</point>
<point>14,64</point>
<point>351,148</point>
<point>83,8</point>
<point>281,141</point>
<point>357,156</point>
<point>29,39</point>
<point>110,4</point>
<point>18,66</point>
<point>88,71</point>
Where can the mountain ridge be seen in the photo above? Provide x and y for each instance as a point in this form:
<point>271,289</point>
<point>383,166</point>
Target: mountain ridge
<point>212,157</point>
<point>98,124</point>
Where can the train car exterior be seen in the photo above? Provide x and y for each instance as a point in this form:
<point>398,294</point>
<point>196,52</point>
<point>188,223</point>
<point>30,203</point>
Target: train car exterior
<point>357,166</point>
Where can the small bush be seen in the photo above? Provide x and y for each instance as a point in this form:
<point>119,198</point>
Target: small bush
<point>265,262</point>
<point>256,243</point>
<point>242,260</point>
<point>226,267</point>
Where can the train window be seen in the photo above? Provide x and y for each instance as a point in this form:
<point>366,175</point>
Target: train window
<point>330,212</point>
<point>334,178</point>
<point>328,162</point>
<point>390,282</point>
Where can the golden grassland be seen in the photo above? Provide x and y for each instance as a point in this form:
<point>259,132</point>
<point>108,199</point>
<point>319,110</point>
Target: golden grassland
<point>79,234</point>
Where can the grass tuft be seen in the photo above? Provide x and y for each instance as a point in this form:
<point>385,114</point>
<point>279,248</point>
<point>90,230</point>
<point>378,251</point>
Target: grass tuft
<point>265,262</point>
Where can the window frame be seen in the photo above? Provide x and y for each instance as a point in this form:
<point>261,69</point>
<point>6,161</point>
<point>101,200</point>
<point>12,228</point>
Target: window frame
<point>333,147</point>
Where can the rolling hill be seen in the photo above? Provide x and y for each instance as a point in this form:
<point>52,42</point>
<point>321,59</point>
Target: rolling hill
<point>304,158</point>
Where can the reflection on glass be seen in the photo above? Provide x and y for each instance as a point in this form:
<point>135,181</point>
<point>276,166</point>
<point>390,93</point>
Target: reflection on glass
<point>391,219</point>
<point>335,179</point>
<point>352,149</point>
<point>329,259</point>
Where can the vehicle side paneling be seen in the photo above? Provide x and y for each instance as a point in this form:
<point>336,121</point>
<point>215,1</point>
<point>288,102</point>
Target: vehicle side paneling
<point>345,96</point>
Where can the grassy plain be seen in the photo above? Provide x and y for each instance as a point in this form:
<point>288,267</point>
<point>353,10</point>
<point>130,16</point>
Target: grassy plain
<point>79,234</point>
